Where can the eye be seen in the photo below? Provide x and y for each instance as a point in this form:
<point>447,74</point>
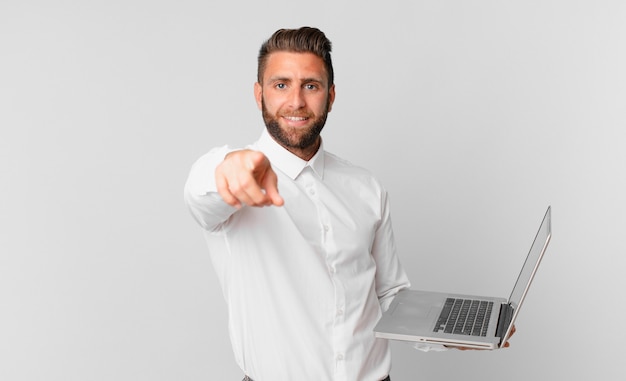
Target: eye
<point>310,86</point>
<point>281,86</point>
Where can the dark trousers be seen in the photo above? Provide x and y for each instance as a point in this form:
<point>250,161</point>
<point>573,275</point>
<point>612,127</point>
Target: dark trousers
<point>246,378</point>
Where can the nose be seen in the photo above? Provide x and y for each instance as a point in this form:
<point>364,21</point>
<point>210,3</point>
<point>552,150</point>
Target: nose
<point>296,99</point>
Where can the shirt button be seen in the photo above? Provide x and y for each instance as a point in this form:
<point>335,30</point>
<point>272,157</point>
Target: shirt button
<point>311,191</point>
<point>339,312</point>
<point>339,357</point>
<point>326,228</point>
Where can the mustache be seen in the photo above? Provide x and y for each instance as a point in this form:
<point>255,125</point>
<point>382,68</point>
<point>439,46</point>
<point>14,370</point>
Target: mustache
<point>297,114</point>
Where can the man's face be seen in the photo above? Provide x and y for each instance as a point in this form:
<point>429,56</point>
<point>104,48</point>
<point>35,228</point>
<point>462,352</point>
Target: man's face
<point>295,99</point>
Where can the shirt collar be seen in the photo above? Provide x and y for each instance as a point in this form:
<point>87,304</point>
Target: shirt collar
<point>286,161</point>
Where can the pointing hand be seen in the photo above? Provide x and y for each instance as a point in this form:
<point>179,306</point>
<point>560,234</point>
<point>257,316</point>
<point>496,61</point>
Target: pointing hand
<point>246,177</point>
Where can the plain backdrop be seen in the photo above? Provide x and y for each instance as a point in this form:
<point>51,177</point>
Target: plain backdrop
<point>475,115</point>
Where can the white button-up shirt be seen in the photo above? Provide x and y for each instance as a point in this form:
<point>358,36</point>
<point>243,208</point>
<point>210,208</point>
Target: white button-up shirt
<point>304,283</point>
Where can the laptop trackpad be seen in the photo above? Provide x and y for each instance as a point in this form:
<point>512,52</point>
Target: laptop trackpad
<point>404,310</point>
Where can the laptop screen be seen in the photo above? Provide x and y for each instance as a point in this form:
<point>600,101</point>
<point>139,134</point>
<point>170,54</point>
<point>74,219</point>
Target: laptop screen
<point>532,261</point>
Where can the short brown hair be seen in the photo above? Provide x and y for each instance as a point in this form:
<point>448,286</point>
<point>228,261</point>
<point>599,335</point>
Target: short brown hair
<point>303,40</point>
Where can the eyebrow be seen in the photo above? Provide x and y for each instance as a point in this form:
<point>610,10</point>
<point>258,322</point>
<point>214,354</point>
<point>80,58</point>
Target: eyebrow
<point>303,80</point>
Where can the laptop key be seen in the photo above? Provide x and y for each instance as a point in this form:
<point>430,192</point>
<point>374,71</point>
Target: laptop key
<point>464,317</point>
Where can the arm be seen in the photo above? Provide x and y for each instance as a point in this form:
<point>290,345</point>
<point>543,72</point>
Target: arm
<point>390,276</point>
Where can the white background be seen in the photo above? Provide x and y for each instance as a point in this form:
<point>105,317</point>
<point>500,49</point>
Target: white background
<point>476,115</point>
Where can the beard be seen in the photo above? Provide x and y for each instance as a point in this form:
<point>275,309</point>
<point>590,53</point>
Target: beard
<point>291,138</point>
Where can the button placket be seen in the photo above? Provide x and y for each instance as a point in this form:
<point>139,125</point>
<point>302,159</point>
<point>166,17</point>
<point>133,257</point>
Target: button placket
<point>311,187</point>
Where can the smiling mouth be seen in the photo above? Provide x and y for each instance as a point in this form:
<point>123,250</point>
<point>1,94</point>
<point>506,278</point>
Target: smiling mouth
<point>295,118</point>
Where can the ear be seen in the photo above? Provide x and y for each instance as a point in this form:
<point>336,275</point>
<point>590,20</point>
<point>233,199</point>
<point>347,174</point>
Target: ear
<point>331,97</point>
<point>258,95</point>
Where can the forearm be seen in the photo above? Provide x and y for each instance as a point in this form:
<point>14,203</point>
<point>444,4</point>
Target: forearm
<point>205,204</point>
<point>209,210</point>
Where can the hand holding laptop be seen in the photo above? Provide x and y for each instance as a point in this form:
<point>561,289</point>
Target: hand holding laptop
<point>463,321</point>
<point>506,344</point>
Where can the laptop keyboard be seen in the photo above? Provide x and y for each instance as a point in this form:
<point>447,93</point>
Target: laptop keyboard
<point>464,317</point>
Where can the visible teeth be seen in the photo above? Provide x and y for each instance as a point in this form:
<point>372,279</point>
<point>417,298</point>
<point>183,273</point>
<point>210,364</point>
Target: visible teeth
<point>295,118</point>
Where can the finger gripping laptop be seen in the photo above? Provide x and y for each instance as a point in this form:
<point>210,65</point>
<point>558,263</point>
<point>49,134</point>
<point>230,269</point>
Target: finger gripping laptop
<point>463,320</point>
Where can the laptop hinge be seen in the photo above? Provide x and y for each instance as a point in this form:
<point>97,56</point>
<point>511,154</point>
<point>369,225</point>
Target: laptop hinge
<point>506,314</point>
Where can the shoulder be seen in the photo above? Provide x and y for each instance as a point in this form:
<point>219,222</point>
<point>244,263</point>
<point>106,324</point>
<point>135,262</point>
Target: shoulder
<point>349,172</point>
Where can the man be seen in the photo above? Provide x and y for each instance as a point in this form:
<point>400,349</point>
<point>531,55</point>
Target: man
<point>301,240</point>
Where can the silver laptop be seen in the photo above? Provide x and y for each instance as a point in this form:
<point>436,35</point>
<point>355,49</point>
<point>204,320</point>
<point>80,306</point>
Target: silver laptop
<point>462,320</point>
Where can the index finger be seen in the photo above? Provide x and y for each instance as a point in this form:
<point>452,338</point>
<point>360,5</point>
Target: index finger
<point>270,184</point>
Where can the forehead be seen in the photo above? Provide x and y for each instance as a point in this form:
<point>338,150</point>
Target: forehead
<point>294,65</point>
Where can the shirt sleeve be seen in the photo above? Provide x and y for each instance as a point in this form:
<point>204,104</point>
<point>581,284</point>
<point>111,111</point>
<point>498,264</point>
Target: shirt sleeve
<point>390,276</point>
<point>205,204</point>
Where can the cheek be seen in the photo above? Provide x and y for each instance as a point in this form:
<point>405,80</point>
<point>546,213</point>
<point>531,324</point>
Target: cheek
<point>271,108</point>
<point>272,103</point>
<point>322,105</point>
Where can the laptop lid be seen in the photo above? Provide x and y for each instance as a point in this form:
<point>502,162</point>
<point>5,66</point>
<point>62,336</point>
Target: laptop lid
<point>526,275</point>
